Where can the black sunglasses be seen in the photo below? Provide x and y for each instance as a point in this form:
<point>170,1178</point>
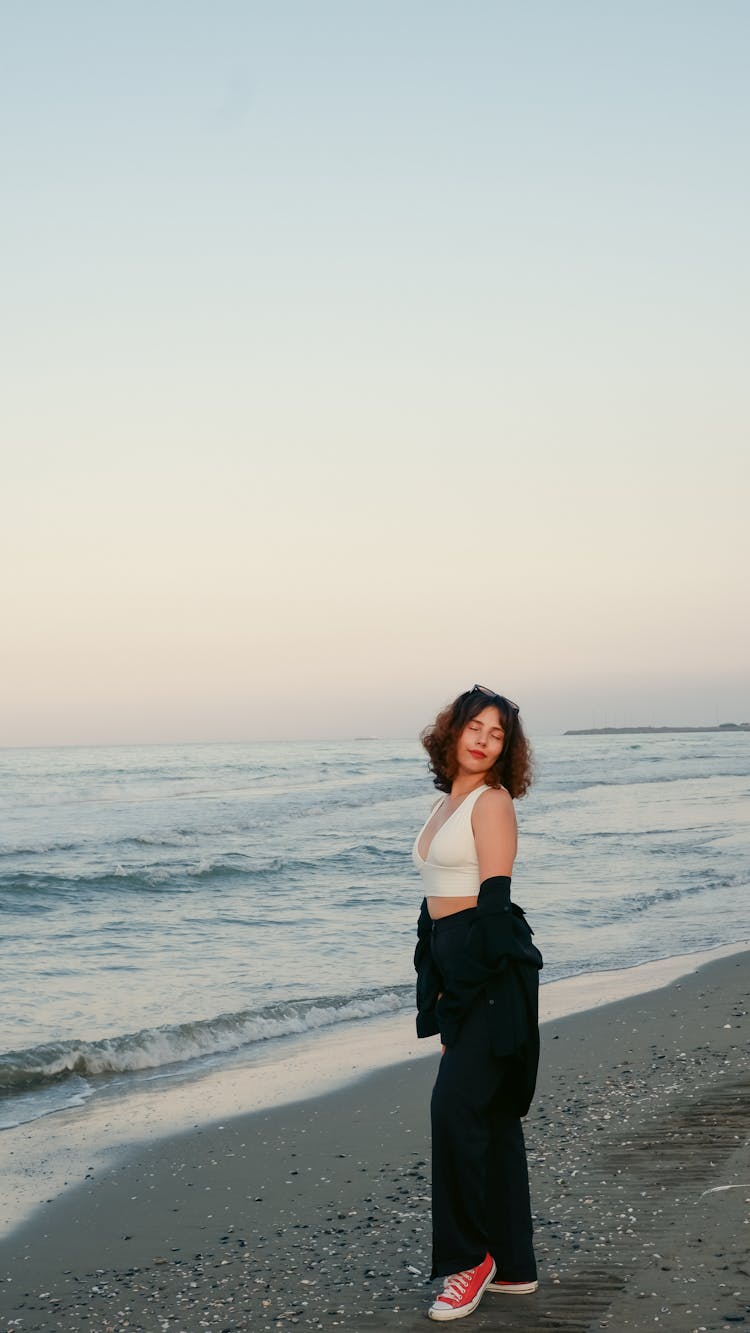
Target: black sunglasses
<point>493,694</point>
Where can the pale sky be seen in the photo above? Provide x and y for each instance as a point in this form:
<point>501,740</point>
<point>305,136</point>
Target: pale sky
<point>356,352</point>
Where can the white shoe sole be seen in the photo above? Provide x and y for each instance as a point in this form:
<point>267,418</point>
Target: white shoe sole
<point>448,1313</point>
<point>515,1289</point>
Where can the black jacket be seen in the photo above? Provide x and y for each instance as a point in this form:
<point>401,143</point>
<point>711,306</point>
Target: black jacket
<point>500,967</point>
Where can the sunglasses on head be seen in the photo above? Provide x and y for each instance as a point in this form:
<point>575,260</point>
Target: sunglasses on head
<point>493,694</point>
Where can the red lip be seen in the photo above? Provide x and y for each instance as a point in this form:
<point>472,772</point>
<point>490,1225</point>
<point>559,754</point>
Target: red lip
<point>478,754</point>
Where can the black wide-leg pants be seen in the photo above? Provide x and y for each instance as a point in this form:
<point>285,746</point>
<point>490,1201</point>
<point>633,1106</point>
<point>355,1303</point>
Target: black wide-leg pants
<point>480,1183</point>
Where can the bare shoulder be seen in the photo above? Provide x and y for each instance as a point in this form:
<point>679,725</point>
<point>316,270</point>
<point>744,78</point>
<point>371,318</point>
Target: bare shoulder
<point>495,804</point>
<point>495,832</point>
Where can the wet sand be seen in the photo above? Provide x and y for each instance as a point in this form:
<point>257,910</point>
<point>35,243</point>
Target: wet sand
<point>316,1215</point>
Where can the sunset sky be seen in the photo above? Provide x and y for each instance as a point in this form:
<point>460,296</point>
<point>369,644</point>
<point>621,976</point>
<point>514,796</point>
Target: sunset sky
<point>354,353</point>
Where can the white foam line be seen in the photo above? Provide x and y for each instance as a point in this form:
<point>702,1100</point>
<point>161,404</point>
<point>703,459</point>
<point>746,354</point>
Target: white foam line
<point>37,1160</point>
<point>590,990</point>
<point>718,1189</point>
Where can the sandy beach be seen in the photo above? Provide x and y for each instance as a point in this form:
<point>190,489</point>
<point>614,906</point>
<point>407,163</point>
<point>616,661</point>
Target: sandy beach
<point>316,1214</point>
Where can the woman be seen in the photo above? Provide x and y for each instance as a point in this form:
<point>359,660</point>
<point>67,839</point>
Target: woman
<point>477,984</point>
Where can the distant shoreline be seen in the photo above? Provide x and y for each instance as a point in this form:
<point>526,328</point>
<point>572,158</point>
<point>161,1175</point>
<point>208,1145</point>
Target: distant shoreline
<point>649,731</point>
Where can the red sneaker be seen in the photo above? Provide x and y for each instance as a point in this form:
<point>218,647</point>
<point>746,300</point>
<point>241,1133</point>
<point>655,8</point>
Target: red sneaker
<point>462,1292</point>
<point>513,1288</point>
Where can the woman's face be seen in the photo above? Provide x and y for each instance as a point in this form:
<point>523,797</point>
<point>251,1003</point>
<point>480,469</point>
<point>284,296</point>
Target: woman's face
<point>481,741</point>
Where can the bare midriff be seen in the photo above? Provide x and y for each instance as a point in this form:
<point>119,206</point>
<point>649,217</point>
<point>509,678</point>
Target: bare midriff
<point>440,907</point>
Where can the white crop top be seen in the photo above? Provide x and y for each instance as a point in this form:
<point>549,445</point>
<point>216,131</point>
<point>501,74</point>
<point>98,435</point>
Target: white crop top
<point>451,869</point>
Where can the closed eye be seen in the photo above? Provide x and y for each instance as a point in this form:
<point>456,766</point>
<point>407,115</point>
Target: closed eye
<point>496,735</point>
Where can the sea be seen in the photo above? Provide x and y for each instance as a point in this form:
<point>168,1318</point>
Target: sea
<point>166,909</point>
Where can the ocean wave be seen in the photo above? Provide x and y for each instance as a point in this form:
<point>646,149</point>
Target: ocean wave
<point>636,780</point>
<point>153,1048</point>
<point>598,913</point>
<point>179,876</point>
<point>644,901</point>
<point>693,840</point>
<point>40,849</point>
<point>29,884</point>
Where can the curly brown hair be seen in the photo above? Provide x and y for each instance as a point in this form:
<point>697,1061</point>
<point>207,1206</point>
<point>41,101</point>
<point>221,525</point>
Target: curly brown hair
<point>514,766</point>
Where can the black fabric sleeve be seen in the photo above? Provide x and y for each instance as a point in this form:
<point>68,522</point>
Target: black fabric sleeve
<point>493,928</point>
<point>429,980</point>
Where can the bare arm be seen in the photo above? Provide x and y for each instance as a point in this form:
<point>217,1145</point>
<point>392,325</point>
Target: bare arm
<point>493,820</point>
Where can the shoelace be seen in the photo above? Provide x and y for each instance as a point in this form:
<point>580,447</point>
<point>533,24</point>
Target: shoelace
<point>454,1287</point>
